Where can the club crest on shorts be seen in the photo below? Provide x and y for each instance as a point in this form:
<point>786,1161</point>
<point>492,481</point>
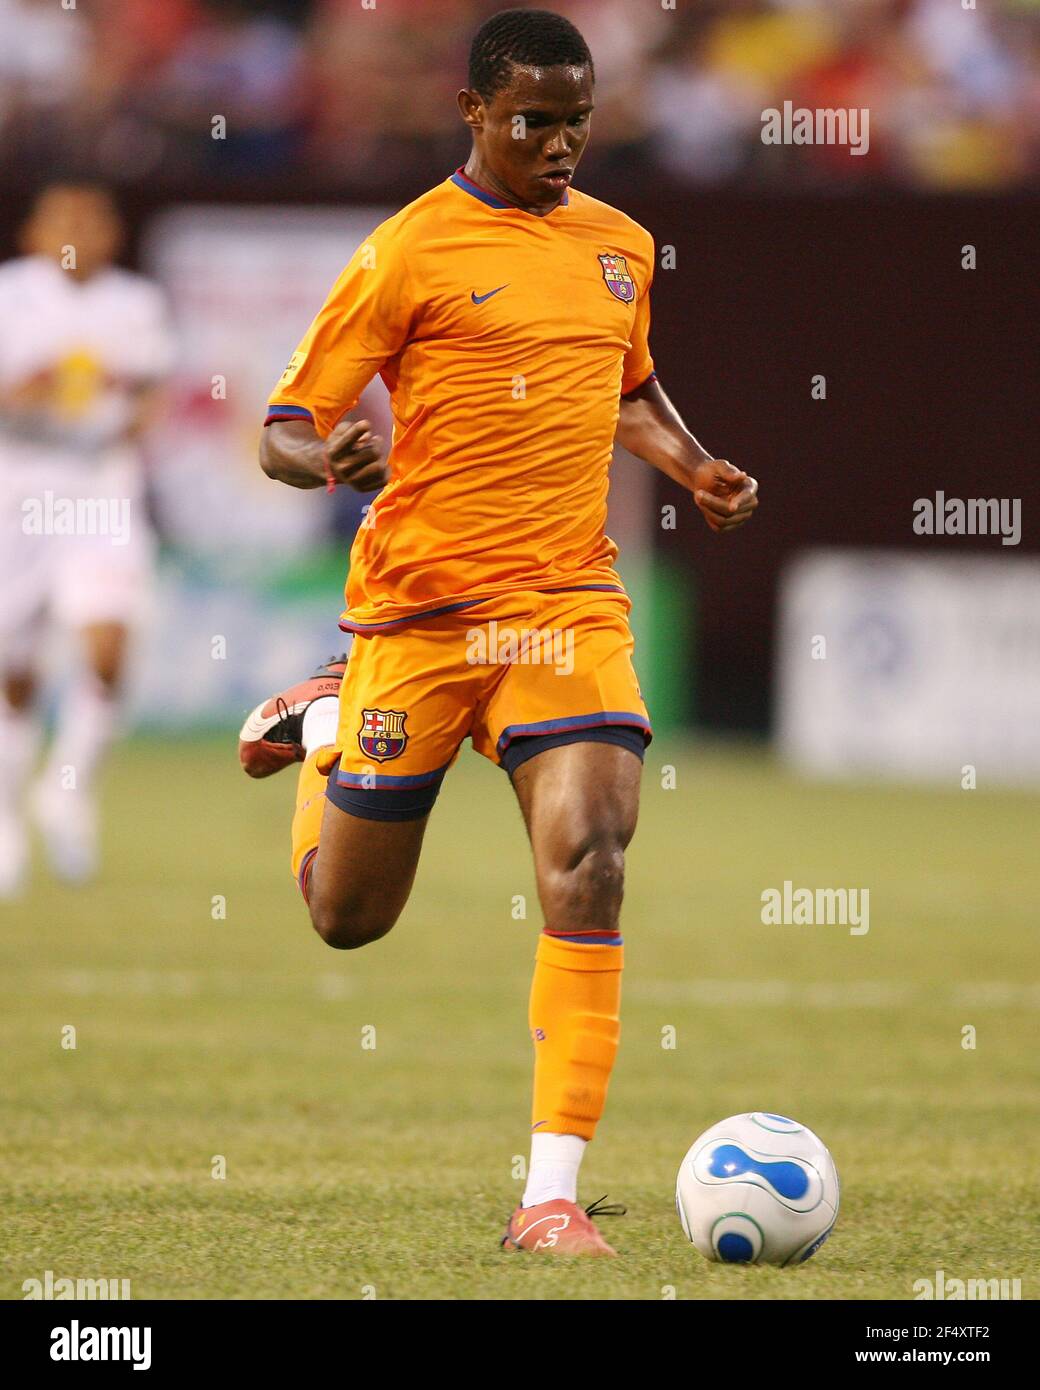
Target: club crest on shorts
<point>382,734</point>
<point>619,282</point>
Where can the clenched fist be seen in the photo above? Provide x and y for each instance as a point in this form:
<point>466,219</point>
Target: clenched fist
<point>354,456</point>
<point>726,495</point>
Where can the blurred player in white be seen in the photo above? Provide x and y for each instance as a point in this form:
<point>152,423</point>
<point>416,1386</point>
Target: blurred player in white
<point>84,350</point>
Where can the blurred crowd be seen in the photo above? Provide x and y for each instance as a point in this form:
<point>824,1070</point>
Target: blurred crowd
<point>335,96</point>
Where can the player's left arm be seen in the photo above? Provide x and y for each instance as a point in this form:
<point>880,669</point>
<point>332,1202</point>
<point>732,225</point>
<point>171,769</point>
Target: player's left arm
<point>650,427</point>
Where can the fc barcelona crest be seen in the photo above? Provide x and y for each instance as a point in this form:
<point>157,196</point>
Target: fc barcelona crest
<point>382,734</point>
<point>619,282</point>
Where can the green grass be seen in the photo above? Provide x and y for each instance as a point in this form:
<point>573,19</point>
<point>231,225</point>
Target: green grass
<point>391,1169</point>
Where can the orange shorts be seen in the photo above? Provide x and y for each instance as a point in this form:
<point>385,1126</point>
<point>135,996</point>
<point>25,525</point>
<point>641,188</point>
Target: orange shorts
<point>515,673</point>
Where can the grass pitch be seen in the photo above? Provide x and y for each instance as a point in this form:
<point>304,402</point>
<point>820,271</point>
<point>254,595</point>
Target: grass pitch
<point>356,1171</point>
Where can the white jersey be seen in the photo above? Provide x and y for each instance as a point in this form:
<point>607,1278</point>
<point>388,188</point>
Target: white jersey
<point>75,543</point>
<point>79,350</point>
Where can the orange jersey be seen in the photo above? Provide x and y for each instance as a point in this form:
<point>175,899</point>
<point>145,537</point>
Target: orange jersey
<point>505,340</point>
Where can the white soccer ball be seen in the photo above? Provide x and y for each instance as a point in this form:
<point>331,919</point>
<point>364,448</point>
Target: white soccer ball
<point>757,1189</point>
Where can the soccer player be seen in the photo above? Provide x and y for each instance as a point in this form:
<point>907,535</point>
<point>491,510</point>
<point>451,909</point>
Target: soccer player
<point>84,347</point>
<point>508,315</point>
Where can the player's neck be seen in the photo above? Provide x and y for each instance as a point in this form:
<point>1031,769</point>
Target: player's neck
<point>477,172</point>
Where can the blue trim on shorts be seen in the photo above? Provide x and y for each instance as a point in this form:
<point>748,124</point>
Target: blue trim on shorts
<point>588,939</point>
<point>301,877</point>
<point>574,723</point>
<point>398,798</point>
<point>581,588</point>
<point>360,629</point>
<point>387,781</point>
<point>526,746</point>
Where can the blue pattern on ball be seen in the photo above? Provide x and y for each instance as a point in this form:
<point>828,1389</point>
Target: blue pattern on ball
<point>735,1249</point>
<point>729,1161</point>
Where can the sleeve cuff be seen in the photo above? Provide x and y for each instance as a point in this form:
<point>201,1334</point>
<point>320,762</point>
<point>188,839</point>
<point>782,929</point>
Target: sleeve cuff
<point>286,412</point>
<point>639,386</point>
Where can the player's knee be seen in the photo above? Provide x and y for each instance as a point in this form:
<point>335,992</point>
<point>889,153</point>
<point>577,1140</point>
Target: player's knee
<point>347,925</point>
<point>588,878</point>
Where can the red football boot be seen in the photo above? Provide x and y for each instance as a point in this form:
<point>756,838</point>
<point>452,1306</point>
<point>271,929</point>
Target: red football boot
<point>559,1228</point>
<point>270,738</point>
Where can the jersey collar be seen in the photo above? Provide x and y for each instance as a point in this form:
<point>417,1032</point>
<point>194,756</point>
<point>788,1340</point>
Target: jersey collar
<point>491,199</point>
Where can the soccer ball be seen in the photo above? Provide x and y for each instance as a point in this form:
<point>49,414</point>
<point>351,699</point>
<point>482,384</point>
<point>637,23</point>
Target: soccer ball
<point>757,1189</point>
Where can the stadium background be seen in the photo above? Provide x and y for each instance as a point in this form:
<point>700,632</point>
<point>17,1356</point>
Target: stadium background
<point>789,262</point>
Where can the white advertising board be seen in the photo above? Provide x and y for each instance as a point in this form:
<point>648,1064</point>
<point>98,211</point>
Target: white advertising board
<point>911,667</point>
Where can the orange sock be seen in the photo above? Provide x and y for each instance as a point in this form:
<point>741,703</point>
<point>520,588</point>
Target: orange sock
<point>575,1002</point>
<point>310,807</point>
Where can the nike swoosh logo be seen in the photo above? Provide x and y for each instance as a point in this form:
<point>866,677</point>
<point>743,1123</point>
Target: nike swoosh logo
<point>480,298</point>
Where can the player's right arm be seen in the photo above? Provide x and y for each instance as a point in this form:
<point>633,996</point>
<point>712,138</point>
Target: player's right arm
<point>292,452</point>
<point>365,322</point>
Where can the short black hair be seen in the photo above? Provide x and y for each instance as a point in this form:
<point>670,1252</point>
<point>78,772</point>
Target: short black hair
<point>525,38</point>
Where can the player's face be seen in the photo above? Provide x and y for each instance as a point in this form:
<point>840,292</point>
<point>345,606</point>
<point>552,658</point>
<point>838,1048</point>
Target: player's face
<point>532,133</point>
<point>81,218</point>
